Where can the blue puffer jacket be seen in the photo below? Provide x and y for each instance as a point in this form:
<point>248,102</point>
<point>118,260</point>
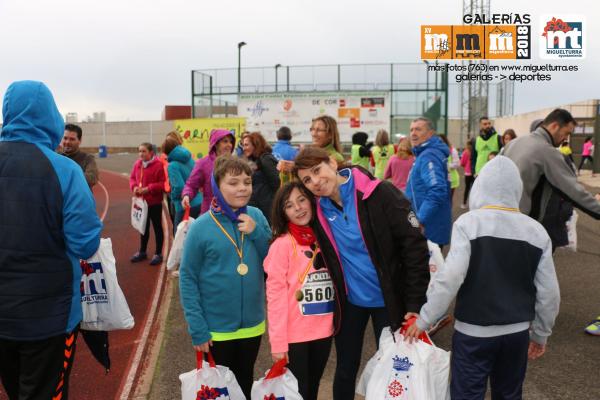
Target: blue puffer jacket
<point>48,219</point>
<point>428,189</point>
<point>179,169</point>
<point>283,150</point>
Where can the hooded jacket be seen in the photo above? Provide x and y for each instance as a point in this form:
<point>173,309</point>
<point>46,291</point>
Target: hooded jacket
<point>499,266</point>
<point>428,189</point>
<point>179,169</point>
<point>265,182</point>
<point>394,243</point>
<point>152,177</point>
<point>544,170</point>
<point>48,219</point>
<point>200,176</point>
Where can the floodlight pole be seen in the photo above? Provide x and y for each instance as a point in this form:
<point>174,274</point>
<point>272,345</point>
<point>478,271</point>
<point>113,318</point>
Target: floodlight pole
<point>276,66</point>
<point>240,45</point>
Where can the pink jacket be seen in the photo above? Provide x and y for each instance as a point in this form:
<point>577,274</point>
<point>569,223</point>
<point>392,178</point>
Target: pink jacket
<point>587,148</point>
<point>285,264</point>
<point>465,162</point>
<point>399,169</point>
<point>203,169</point>
<point>153,178</point>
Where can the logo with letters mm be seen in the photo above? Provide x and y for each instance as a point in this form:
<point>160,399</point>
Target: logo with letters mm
<point>436,42</point>
<point>562,37</point>
<point>469,42</point>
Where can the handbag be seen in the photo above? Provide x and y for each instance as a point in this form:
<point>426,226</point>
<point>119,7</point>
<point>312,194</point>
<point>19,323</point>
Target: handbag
<point>209,382</point>
<point>278,383</point>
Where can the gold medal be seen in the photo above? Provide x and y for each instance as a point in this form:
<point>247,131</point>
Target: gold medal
<point>242,269</point>
<point>299,295</point>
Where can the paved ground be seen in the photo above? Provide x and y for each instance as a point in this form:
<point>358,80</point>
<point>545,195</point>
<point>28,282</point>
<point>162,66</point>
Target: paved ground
<point>568,371</point>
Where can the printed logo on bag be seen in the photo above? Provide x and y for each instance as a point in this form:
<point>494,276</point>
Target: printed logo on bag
<point>399,380</point>
<point>137,212</point>
<point>273,397</point>
<point>208,393</point>
<point>92,286</point>
<point>402,364</point>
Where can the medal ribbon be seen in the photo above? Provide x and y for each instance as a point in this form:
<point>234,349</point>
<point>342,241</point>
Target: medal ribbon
<point>501,208</point>
<point>302,277</point>
<point>237,249</point>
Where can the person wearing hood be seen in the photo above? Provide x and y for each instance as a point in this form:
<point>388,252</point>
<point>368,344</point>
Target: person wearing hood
<point>222,142</point>
<point>501,272</point>
<point>428,188</point>
<point>147,180</point>
<point>49,222</point>
<point>486,142</point>
<point>221,276</point>
<point>361,151</point>
<point>179,169</point>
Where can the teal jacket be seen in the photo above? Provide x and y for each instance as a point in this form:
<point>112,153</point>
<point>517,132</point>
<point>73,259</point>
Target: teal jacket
<point>215,298</point>
<point>179,169</point>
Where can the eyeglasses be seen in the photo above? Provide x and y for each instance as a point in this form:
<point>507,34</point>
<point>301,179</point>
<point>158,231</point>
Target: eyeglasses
<point>318,130</point>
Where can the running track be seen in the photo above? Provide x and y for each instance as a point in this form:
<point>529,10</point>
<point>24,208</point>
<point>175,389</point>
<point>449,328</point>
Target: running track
<point>140,283</point>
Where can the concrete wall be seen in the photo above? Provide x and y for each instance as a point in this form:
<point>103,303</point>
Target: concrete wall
<point>123,136</point>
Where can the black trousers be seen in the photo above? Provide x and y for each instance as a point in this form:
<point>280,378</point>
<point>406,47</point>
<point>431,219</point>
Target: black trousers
<point>154,216</point>
<point>239,356</point>
<point>469,179</point>
<point>37,370</point>
<point>502,358</point>
<point>583,158</point>
<point>307,363</point>
<point>348,345</point>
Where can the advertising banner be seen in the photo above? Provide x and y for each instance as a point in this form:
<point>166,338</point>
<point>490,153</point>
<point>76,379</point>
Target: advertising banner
<point>354,111</point>
<point>196,132</point>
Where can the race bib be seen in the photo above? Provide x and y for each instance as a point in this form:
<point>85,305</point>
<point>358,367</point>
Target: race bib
<point>317,294</point>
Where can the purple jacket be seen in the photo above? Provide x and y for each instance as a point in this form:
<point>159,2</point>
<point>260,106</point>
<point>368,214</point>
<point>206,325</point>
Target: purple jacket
<point>200,176</point>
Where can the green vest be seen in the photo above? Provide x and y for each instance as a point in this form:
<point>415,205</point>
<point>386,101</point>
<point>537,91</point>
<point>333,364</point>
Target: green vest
<point>453,175</point>
<point>333,153</point>
<point>484,148</point>
<point>357,159</point>
<point>382,155</point>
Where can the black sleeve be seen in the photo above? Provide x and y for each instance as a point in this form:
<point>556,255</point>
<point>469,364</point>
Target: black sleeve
<point>267,163</point>
<point>410,243</point>
<point>473,155</point>
<point>363,151</point>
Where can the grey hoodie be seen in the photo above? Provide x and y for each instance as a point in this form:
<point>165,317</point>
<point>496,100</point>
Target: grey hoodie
<point>500,264</point>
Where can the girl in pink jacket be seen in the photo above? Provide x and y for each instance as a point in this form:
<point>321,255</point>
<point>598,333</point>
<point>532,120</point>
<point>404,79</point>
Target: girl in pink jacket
<point>300,293</point>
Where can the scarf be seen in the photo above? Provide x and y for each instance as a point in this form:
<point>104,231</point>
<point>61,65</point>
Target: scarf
<point>304,235</point>
<point>219,204</point>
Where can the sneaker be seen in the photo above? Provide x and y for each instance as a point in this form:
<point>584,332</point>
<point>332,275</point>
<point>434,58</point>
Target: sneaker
<point>139,256</point>
<point>594,327</point>
<point>440,323</point>
<point>156,260</point>
<point>463,206</point>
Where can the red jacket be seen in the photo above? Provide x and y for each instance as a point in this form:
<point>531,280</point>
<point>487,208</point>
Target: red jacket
<point>153,178</point>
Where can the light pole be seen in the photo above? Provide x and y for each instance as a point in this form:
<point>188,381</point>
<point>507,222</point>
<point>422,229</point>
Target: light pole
<point>240,45</point>
<point>276,66</point>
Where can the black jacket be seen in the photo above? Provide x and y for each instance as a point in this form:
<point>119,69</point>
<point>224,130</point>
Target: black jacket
<point>395,244</point>
<point>265,183</point>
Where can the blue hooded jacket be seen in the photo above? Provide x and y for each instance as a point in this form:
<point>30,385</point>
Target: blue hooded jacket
<point>428,189</point>
<point>283,150</point>
<point>48,219</point>
<point>179,169</point>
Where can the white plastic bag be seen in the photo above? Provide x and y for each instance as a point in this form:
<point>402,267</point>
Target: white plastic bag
<point>209,382</point>
<point>139,214</point>
<point>177,246</point>
<point>102,300</point>
<point>572,231</point>
<point>278,383</point>
<point>385,339</point>
<point>410,371</point>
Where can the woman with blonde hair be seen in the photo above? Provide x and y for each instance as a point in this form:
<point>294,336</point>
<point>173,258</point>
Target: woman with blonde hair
<point>382,152</point>
<point>399,167</point>
<point>325,134</point>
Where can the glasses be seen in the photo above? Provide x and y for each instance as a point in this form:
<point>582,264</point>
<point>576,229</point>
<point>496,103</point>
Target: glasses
<point>318,130</point>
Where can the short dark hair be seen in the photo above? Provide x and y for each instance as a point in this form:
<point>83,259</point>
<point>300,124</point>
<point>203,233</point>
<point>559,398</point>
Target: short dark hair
<point>560,115</point>
<point>284,133</point>
<point>148,146</point>
<point>510,132</point>
<point>74,128</point>
<point>279,220</point>
<point>482,118</point>
<point>228,164</point>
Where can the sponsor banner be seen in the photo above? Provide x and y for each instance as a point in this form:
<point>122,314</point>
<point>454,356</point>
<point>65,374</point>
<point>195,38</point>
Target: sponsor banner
<point>354,111</point>
<point>562,37</point>
<point>196,132</point>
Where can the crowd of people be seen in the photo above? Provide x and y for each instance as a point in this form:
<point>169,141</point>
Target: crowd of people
<point>327,243</point>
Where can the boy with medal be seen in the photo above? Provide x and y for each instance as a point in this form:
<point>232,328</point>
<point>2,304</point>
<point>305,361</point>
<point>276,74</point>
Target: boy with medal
<point>221,279</point>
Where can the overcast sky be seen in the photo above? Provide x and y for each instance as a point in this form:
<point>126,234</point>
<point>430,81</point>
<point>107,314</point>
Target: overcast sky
<point>130,58</point>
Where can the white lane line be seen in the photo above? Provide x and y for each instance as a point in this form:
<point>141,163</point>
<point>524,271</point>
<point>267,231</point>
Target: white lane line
<point>106,203</point>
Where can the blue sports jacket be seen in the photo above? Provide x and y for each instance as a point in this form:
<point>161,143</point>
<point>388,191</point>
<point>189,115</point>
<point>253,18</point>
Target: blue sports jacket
<point>48,219</point>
